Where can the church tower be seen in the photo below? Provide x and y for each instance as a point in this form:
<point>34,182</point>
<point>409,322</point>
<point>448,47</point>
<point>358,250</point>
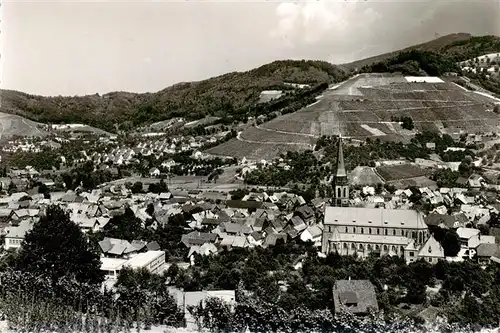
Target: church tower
<point>340,182</point>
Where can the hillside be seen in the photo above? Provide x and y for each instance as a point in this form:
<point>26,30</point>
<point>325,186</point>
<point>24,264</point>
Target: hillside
<point>459,47</point>
<point>235,95</point>
<point>219,96</point>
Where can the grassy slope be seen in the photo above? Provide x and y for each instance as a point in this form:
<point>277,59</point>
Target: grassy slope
<point>215,96</point>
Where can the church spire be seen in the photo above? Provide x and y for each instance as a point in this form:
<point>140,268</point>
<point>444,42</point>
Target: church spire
<point>340,161</point>
<point>341,183</point>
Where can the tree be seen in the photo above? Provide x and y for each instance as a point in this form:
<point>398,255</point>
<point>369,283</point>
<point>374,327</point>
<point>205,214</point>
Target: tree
<point>449,241</point>
<point>57,248</point>
<point>126,226</point>
<point>136,188</point>
<point>496,109</point>
<point>407,123</point>
<point>142,293</point>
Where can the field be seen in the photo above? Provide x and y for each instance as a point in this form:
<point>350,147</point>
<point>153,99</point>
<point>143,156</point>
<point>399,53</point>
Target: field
<point>253,151</point>
<point>421,181</point>
<point>12,125</point>
<point>399,172</point>
<point>364,176</point>
<point>369,105</point>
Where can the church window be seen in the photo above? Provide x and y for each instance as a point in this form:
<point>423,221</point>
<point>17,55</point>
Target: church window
<point>353,246</point>
<point>362,231</point>
<point>346,229</point>
<point>339,194</point>
<point>353,230</point>
<point>378,231</point>
<point>385,231</point>
<point>370,231</point>
<point>345,192</point>
<point>394,232</point>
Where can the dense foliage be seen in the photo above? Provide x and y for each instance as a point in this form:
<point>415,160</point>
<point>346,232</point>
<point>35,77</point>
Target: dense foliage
<point>415,63</point>
<point>271,279</point>
<point>226,95</point>
<point>56,248</point>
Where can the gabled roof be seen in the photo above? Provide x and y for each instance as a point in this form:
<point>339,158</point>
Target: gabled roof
<point>373,217</point>
<point>487,250</point>
<point>431,248</point>
<point>198,238</point>
<point>19,231</point>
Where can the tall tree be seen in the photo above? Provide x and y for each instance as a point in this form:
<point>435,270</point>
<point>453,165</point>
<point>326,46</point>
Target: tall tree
<point>57,248</point>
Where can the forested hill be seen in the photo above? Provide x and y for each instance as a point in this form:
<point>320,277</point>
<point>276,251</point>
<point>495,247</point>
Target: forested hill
<point>236,94</point>
<point>459,47</point>
<point>219,96</point>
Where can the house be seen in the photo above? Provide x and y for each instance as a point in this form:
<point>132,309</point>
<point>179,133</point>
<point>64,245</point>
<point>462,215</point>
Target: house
<point>153,261</point>
<point>432,251</point>
<point>119,248</point>
<point>154,172</point>
<point>465,234</point>
<point>111,267</point>
<point>306,213</point>
<point>485,252</point>
<point>475,181</point>
<point>430,145</point>
<point>298,223</point>
<point>355,296</point>
<point>203,250</point>
<point>198,238</point>
<point>15,235</point>
<point>312,234</point>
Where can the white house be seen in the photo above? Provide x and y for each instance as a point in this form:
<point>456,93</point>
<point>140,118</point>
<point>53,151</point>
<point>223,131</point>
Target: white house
<point>15,235</point>
<point>313,234</point>
<point>154,172</point>
<point>153,261</point>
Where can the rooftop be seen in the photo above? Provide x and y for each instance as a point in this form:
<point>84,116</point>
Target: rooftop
<point>143,259</point>
<point>374,217</point>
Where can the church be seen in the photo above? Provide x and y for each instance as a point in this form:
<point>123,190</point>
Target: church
<point>362,231</point>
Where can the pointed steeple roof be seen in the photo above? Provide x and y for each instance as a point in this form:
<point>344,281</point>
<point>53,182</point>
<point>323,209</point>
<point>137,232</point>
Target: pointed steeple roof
<point>340,161</point>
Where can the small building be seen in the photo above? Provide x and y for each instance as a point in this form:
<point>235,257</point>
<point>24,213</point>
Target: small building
<point>15,235</point>
<point>355,296</point>
<point>153,261</point>
<point>432,251</point>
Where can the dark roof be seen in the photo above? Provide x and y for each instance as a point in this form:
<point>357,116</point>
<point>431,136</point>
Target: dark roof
<point>435,219</point>
<point>365,296</point>
<point>486,250</point>
<point>243,204</point>
<point>296,220</point>
<point>198,238</point>
<point>256,235</point>
<point>278,224</point>
<point>291,232</point>
<point>271,239</point>
<point>208,221</point>
<point>461,217</point>
<point>153,246</point>
<point>305,212</point>
<point>348,297</point>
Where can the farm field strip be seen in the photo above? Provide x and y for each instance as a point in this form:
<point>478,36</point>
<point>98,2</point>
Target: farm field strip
<point>285,132</point>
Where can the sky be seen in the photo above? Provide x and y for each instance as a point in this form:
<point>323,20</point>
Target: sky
<point>75,48</point>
